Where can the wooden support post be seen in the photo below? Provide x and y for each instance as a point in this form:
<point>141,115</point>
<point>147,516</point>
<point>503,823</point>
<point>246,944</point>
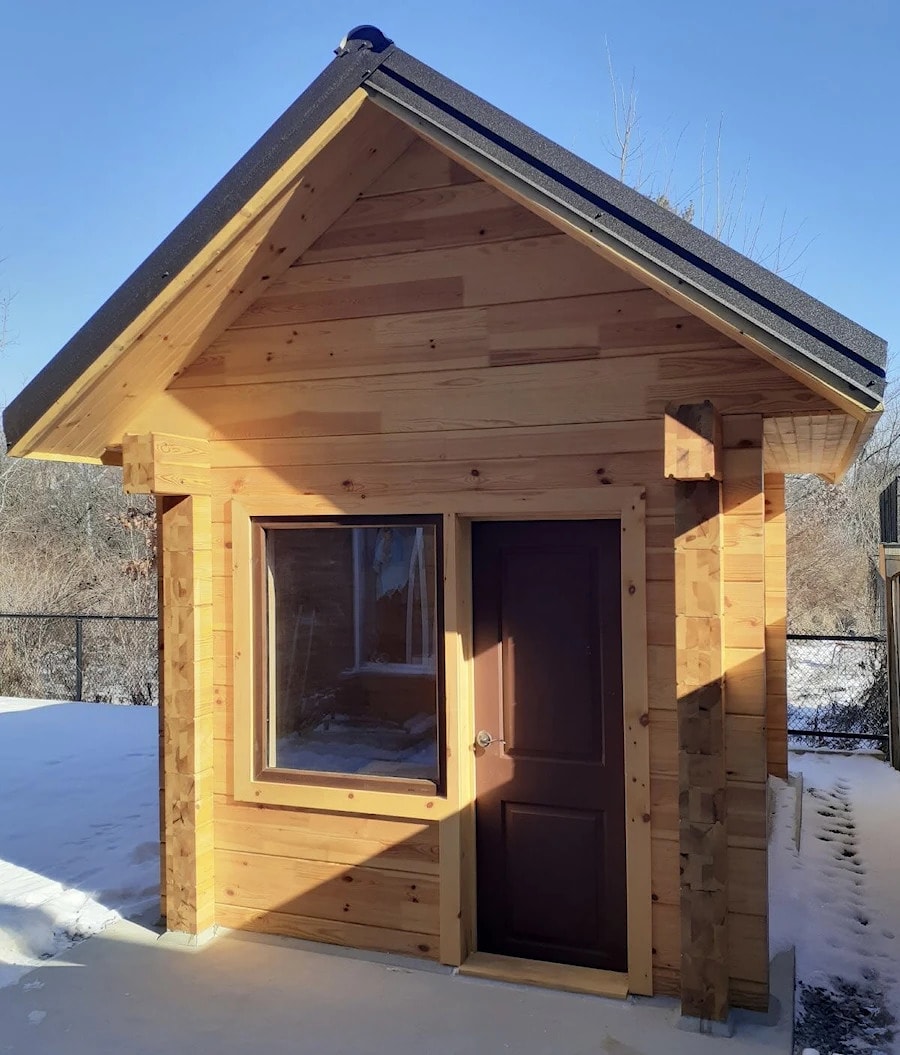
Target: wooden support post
<point>177,470</point>
<point>744,636</point>
<point>185,533</point>
<point>693,442</point>
<point>700,718</point>
<point>165,465</point>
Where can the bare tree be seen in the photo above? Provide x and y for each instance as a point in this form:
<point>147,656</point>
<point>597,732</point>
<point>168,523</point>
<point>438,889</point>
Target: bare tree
<point>832,530</point>
<point>717,204</point>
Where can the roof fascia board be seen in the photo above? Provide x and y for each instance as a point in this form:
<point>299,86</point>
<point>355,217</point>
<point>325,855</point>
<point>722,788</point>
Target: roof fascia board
<point>65,377</point>
<point>415,92</point>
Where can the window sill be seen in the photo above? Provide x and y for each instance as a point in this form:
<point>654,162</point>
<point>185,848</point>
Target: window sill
<point>349,781</point>
<point>288,788</point>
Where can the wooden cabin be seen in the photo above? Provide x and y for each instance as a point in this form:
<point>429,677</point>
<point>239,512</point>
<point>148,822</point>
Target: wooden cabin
<point>469,464</point>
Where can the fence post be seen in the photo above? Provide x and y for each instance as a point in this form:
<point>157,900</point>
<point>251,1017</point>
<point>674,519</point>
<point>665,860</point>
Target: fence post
<point>79,666</point>
<point>889,566</point>
<point>891,615</point>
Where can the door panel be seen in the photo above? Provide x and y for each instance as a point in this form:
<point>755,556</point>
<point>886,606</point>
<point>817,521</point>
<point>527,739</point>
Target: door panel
<point>550,807</point>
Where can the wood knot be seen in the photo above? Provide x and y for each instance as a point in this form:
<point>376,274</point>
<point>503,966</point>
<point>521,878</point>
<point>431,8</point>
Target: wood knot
<point>474,472</point>
<point>645,818</point>
<point>632,589</point>
<point>644,719</point>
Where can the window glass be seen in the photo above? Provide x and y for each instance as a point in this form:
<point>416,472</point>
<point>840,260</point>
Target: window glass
<point>352,636</point>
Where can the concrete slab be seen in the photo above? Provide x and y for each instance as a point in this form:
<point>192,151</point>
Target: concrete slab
<point>125,991</point>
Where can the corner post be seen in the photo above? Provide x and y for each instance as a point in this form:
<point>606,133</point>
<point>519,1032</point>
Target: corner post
<point>176,470</point>
<point>693,457</point>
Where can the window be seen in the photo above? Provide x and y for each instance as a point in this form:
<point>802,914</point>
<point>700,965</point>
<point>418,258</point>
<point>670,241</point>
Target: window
<point>352,668</point>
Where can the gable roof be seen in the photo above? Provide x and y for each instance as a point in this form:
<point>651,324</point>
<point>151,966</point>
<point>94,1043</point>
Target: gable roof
<point>802,333</point>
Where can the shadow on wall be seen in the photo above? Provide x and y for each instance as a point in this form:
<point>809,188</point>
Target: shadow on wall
<point>374,883</point>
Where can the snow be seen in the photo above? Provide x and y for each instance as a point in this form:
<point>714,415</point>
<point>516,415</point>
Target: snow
<point>835,672</point>
<point>79,831</point>
<point>837,900</point>
<point>79,849</point>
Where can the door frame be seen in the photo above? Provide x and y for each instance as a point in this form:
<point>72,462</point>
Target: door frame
<point>457,874</point>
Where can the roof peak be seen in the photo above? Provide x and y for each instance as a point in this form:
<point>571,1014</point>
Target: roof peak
<point>361,38</point>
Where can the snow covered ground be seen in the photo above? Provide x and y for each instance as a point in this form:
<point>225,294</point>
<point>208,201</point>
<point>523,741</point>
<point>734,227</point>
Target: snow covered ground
<point>837,900</point>
<point>78,824</point>
<point>78,847</point>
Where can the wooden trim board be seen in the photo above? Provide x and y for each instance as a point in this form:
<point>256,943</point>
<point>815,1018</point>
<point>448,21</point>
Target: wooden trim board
<point>546,975</point>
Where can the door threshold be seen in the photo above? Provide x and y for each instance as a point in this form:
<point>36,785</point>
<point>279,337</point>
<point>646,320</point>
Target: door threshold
<point>563,976</point>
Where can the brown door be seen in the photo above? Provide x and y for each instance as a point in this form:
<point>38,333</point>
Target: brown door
<point>550,806</point>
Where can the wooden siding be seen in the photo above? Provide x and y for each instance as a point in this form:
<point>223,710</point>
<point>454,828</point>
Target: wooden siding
<point>439,340</point>
<point>344,879</point>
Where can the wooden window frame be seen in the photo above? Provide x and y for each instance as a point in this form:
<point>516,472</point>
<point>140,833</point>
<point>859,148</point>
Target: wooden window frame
<point>453,810</point>
<point>262,618</point>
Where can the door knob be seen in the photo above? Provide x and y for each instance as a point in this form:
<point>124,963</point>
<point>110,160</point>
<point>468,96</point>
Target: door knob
<point>483,739</point>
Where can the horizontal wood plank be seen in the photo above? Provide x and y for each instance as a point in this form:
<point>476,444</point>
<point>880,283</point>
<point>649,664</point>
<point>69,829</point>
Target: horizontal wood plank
<point>322,890</point>
<point>416,479</point>
<point>595,438</point>
<point>511,271</point>
<point>333,932</point>
<point>461,214</point>
<point>330,838</point>
<point>393,329</point>
<point>418,167</point>
<point>621,389</point>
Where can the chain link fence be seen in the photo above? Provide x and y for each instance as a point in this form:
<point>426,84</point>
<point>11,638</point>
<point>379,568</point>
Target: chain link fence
<point>837,692</point>
<point>102,658</point>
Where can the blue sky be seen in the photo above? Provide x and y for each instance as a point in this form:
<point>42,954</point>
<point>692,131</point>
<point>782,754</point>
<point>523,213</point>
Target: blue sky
<point>118,117</point>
